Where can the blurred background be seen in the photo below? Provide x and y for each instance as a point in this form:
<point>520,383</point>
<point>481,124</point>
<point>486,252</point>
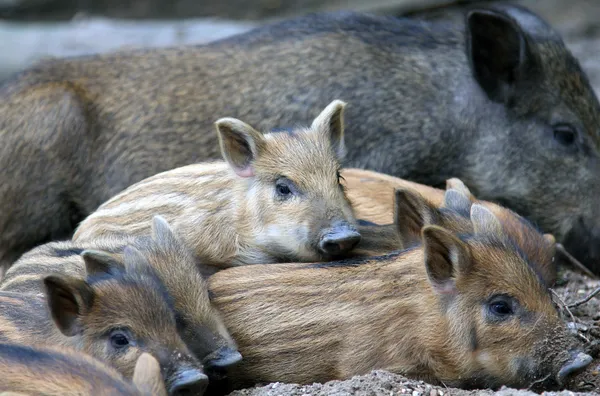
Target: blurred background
<point>34,29</point>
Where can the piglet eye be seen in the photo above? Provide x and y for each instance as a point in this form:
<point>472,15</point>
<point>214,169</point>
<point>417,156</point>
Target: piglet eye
<point>501,308</point>
<point>282,189</point>
<point>119,339</point>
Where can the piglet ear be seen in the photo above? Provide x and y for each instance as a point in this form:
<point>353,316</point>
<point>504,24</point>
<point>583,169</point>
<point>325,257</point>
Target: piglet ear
<point>411,213</point>
<point>456,184</point>
<point>68,300</point>
<point>163,234</point>
<point>101,263</point>
<point>240,145</point>
<point>457,201</point>
<point>331,123</point>
<point>484,221</point>
<point>147,376</point>
<point>446,258</point>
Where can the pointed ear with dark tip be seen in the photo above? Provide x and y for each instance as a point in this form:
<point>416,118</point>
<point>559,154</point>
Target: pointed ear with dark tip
<point>162,233</point>
<point>101,263</point>
<point>68,300</point>
<point>484,221</point>
<point>498,53</point>
<point>446,258</point>
<point>457,201</point>
<point>240,145</point>
<point>411,213</point>
<point>331,122</point>
<point>147,376</point>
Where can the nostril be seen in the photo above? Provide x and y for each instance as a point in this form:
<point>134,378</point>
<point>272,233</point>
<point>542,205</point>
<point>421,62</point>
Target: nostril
<point>330,247</point>
<point>340,242</point>
<point>190,382</point>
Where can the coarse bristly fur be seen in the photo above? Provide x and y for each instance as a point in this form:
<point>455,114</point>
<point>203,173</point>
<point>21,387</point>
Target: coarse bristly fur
<point>67,372</point>
<point>275,198</point>
<point>496,100</point>
<point>200,325</point>
<point>115,313</point>
<point>380,198</point>
<point>466,311</point>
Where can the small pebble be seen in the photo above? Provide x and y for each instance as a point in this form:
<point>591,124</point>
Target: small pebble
<point>433,392</point>
<point>416,393</point>
<point>386,385</point>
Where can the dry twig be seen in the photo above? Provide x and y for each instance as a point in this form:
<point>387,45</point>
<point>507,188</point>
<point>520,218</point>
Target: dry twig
<point>586,299</point>
<point>574,262</point>
<point>564,306</point>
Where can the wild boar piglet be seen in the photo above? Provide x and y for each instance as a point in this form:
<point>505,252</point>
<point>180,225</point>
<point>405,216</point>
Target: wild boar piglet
<point>277,197</point>
<point>116,313</point>
<point>463,309</point>
<point>198,322</point>
<point>67,372</point>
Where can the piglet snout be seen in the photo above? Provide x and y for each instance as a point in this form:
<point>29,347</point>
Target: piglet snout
<point>340,238</point>
<point>188,382</point>
<point>222,357</point>
<point>578,361</point>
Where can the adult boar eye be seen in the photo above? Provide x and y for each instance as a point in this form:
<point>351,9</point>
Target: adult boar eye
<point>564,134</point>
<point>119,339</point>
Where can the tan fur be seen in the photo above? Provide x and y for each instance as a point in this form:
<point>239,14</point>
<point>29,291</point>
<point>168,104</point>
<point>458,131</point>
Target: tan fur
<point>228,212</point>
<point>173,263</point>
<point>421,312</point>
<point>67,372</point>
<point>114,302</point>
<point>371,194</point>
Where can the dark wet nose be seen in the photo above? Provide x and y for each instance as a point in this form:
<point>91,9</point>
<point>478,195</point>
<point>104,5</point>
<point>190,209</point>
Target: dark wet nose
<point>222,358</point>
<point>339,239</point>
<point>578,361</point>
<point>188,383</point>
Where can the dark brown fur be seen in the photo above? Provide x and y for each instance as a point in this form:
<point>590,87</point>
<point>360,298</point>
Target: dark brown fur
<point>497,101</point>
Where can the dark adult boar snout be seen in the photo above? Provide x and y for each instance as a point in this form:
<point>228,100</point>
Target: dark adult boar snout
<point>341,238</point>
<point>190,382</point>
<point>578,361</point>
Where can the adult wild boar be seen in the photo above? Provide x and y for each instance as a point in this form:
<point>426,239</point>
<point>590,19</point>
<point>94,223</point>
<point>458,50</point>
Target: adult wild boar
<point>496,100</point>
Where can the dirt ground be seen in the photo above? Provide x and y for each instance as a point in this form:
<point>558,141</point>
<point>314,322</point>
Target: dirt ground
<point>571,287</point>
